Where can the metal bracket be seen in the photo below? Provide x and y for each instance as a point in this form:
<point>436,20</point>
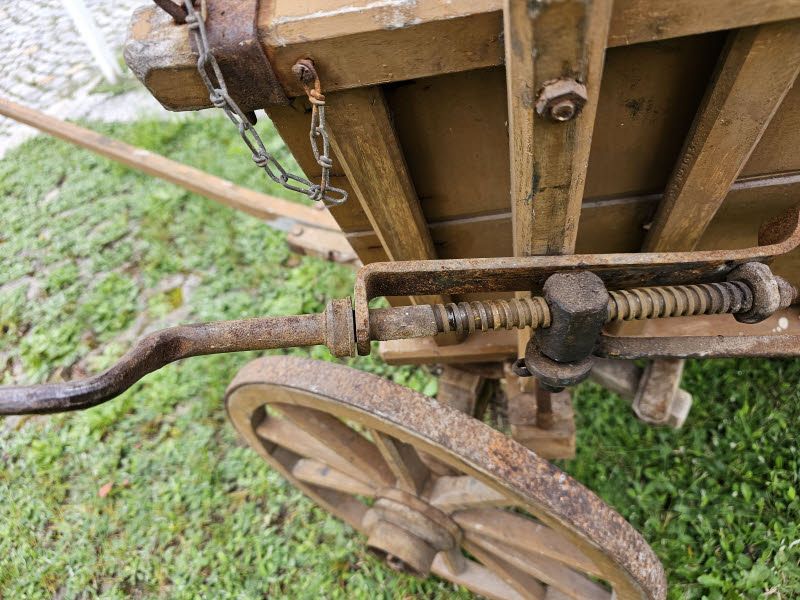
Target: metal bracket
<point>232,29</point>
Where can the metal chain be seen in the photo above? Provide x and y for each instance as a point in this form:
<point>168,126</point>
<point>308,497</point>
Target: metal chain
<point>218,94</point>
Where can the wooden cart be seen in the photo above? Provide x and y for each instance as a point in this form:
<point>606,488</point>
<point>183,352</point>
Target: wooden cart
<point>480,129</point>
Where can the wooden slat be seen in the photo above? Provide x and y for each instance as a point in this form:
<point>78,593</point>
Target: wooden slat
<point>364,42</point>
<point>758,69</point>
<point>549,159</point>
<point>571,583</point>
<point>367,148</point>
<point>525,535</point>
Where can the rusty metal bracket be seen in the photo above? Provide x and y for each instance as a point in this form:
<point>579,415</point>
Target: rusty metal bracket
<point>514,274</point>
<point>232,29</point>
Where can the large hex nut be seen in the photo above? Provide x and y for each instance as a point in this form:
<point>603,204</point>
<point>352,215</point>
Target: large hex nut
<point>561,100</point>
<point>766,292</point>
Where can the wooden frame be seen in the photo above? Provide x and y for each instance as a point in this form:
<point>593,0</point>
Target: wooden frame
<point>433,119</point>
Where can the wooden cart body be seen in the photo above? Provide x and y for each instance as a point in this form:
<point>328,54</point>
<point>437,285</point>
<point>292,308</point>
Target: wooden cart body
<point>691,130</point>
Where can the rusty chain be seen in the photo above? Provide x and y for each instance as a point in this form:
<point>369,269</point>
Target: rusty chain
<point>207,67</point>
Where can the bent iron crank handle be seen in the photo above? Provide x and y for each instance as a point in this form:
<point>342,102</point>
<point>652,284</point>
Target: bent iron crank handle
<point>336,328</point>
<point>157,350</point>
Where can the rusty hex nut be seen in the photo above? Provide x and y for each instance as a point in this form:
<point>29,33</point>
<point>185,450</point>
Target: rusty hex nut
<point>561,100</point>
<point>766,292</point>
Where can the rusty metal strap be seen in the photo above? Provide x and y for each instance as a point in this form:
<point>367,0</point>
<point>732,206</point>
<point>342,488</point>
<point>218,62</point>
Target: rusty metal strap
<point>512,274</point>
<point>232,29</point>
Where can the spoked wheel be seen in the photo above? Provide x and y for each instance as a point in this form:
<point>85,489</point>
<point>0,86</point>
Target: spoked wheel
<point>435,490</point>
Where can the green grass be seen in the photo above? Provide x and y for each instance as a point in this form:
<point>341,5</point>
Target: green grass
<point>86,247</point>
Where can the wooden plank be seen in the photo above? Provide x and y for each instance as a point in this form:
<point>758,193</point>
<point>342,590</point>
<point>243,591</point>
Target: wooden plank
<point>758,69</point>
<point>368,151</point>
<point>549,159</point>
<point>365,42</point>
<point>215,188</point>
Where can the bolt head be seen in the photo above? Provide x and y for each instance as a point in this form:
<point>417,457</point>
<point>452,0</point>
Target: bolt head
<point>561,100</point>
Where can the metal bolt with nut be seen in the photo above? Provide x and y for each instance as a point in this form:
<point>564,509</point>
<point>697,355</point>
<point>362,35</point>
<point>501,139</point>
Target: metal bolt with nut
<point>561,100</point>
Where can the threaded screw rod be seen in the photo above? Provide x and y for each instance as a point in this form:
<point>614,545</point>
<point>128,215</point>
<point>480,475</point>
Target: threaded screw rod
<point>624,305</point>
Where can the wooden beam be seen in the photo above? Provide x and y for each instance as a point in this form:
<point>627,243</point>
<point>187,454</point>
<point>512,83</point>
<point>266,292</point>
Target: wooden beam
<point>560,40</point>
<point>215,188</point>
<point>368,42</point>
<point>367,148</point>
<point>757,70</point>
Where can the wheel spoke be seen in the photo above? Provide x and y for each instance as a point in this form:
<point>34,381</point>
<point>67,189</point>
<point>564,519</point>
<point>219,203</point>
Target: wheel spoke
<point>287,435</point>
<point>570,582</point>
<point>317,473</point>
<point>343,440</point>
<point>462,492</point>
<point>524,534</point>
<point>527,587</point>
<point>403,460</point>
<point>478,579</point>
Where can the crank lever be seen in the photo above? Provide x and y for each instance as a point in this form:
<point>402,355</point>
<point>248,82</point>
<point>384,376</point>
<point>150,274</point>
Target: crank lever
<point>159,349</point>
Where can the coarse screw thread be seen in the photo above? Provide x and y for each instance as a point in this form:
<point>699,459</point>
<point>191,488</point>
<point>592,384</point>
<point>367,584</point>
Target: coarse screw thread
<point>623,305</point>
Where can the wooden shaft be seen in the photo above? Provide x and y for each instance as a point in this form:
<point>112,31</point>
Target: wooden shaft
<point>215,188</point>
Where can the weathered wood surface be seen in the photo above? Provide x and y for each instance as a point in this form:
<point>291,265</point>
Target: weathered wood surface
<point>362,42</point>
<point>564,40</point>
<point>758,68</point>
<point>368,151</point>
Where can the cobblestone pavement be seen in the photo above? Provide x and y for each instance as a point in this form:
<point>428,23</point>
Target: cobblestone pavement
<point>45,64</point>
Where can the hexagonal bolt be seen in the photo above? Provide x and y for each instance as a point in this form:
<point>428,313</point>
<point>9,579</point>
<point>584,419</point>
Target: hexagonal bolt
<point>561,100</point>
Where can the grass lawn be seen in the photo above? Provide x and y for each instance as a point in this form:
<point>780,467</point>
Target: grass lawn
<point>93,255</point>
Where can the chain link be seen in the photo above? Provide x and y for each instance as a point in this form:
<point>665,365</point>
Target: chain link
<point>207,67</point>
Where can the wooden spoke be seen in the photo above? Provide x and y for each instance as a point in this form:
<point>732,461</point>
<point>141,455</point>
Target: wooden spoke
<point>523,534</point>
<point>569,582</point>
<point>403,460</point>
<point>477,578</point>
<point>525,585</point>
<point>317,473</point>
<point>287,435</point>
<point>462,492</point>
<point>757,70</point>
<point>344,441</point>
<point>456,562</point>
